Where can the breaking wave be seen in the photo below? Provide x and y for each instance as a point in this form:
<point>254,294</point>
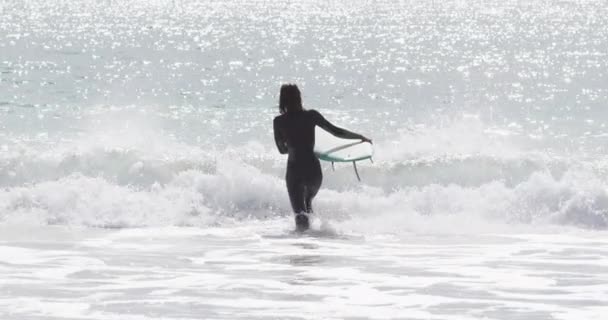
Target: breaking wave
<point>122,188</point>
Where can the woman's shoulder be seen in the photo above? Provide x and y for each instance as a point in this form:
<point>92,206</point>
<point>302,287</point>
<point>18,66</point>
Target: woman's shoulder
<point>313,112</point>
<point>315,115</point>
<point>309,112</point>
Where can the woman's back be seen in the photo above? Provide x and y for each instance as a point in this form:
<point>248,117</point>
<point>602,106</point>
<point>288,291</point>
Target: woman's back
<point>298,131</point>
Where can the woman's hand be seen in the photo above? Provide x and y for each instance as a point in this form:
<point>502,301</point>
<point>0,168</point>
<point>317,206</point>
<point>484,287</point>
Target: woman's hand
<point>364,139</point>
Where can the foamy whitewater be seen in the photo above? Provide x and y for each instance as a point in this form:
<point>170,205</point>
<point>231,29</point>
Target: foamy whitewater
<point>139,177</point>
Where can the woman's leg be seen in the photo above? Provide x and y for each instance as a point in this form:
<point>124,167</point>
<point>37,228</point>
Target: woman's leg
<point>313,186</point>
<point>303,183</point>
<point>295,189</point>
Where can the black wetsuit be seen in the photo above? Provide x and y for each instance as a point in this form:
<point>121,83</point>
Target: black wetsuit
<point>294,133</point>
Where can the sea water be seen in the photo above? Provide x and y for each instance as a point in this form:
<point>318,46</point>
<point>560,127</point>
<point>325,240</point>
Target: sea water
<point>139,177</point>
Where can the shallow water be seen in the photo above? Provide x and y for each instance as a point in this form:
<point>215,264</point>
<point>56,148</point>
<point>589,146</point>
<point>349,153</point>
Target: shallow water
<point>265,271</point>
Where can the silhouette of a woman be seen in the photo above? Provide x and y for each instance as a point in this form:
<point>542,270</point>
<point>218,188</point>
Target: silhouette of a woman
<point>294,134</point>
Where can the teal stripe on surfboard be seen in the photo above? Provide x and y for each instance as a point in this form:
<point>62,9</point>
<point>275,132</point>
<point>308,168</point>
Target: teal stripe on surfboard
<point>329,158</point>
<point>333,149</point>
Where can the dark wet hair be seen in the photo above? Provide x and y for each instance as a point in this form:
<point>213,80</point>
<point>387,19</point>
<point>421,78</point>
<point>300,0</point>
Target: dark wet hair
<point>290,99</point>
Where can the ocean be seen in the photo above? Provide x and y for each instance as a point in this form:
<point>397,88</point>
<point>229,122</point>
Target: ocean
<point>139,177</point>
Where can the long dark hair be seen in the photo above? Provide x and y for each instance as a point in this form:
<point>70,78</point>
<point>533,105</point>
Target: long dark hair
<point>290,99</point>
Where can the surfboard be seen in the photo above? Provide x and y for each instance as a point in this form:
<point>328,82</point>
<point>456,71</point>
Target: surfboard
<point>334,149</point>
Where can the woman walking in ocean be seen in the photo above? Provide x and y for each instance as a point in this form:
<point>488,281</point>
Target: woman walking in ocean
<point>294,134</point>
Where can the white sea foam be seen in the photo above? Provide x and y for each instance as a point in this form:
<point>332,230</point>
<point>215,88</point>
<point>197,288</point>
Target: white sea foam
<point>422,178</point>
<point>121,189</point>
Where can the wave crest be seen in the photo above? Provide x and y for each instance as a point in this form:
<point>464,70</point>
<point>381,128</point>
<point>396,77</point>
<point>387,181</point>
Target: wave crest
<point>231,190</point>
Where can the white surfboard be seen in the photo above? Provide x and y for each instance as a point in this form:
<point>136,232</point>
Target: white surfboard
<point>334,149</point>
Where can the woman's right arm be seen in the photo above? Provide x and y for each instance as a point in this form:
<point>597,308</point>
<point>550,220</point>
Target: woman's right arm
<point>336,131</point>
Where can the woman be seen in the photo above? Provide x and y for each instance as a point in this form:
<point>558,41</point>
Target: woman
<point>294,133</point>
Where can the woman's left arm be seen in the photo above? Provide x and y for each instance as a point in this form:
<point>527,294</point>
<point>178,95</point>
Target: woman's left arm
<point>278,137</point>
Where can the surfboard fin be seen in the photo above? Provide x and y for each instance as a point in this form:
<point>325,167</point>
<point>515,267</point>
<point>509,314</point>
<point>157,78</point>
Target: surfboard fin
<point>333,168</point>
<point>356,171</point>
